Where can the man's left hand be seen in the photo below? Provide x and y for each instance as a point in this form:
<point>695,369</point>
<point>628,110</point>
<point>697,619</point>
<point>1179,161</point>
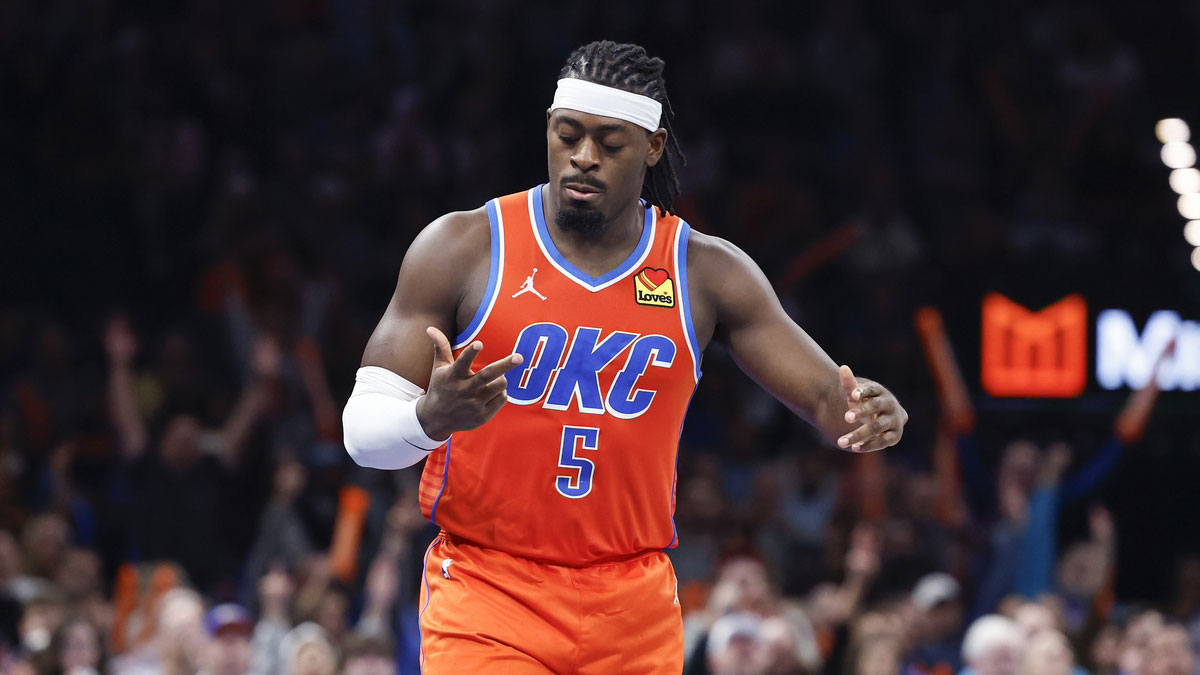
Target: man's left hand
<point>881,415</point>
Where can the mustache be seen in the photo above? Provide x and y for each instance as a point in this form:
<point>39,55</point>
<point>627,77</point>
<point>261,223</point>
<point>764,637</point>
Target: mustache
<point>583,179</point>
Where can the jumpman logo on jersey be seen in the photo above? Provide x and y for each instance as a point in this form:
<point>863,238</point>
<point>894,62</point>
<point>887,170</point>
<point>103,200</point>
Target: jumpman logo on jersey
<point>527,287</point>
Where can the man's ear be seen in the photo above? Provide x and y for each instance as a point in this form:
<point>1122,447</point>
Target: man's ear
<point>658,143</point>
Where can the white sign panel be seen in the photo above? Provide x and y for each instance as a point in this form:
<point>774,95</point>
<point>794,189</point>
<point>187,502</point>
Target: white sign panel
<point>1126,358</point>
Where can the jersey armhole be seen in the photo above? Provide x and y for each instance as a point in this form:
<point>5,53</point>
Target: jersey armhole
<point>495,269</point>
<point>685,306</point>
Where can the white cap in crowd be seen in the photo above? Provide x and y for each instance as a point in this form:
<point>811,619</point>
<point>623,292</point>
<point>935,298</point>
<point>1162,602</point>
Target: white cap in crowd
<point>933,589</point>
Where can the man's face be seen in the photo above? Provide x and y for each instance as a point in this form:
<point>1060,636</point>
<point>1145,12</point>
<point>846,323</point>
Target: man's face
<point>596,166</point>
<point>999,660</point>
<point>1049,654</point>
<point>229,653</point>
<point>1169,653</point>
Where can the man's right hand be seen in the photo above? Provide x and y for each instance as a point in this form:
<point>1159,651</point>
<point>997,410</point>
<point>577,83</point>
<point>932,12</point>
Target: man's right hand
<point>457,398</point>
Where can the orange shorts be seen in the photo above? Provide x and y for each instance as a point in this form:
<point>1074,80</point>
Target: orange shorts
<point>484,612</point>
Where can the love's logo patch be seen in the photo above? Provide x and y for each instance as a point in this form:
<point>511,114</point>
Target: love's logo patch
<point>653,286</point>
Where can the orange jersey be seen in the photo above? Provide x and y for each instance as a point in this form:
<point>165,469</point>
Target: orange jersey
<point>579,465</point>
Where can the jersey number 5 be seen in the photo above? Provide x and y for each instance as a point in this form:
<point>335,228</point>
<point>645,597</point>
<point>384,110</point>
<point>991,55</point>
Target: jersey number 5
<point>575,439</point>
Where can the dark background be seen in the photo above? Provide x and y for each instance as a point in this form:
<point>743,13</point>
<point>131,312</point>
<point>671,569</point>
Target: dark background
<point>149,150</point>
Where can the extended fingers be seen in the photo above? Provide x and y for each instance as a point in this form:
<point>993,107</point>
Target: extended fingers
<point>442,353</point>
<point>865,410</point>
<point>884,440</point>
<point>874,429</point>
<point>498,368</point>
<point>462,365</point>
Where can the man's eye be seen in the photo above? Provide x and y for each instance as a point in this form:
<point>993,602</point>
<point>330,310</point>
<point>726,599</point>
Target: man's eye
<point>613,148</point>
<point>568,140</point>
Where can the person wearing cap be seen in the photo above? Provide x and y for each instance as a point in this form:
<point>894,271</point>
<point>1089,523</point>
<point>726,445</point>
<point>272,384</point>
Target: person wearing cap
<point>540,352</point>
<point>937,602</point>
<point>993,646</point>
<point>736,645</point>
<point>228,652</point>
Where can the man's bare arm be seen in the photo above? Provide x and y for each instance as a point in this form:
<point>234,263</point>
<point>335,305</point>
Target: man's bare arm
<point>432,283</point>
<point>738,303</point>
<point>440,285</point>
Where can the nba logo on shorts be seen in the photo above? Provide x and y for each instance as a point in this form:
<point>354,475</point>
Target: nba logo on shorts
<point>653,286</point>
<point>1041,353</point>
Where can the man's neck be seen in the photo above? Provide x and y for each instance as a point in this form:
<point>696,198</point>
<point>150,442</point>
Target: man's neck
<point>610,244</point>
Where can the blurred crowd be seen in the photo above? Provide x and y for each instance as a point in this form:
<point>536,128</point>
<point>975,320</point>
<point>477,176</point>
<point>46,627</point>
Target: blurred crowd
<point>205,204</point>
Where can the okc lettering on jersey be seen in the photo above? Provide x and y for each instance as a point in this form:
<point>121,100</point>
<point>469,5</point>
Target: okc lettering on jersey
<point>577,379</point>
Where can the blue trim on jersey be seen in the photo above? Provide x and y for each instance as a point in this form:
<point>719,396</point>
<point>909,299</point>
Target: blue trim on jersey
<point>445,473</point>
<point>684,297</point>
<point>675,487</point>
<point>620,270</point>
<point>493,274</point>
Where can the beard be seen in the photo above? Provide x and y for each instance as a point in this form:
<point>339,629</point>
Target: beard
<point>585,221</point>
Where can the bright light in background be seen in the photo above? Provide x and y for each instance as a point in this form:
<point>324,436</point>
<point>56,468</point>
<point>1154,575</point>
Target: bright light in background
<point>1191,232</point>
<point>1172,130</point>
<point>1189,206</point>
<point>1185,181</point>
<point>1178,155</point>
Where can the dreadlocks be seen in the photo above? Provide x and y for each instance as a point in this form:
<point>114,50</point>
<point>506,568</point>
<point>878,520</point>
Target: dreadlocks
<point>628,67</point>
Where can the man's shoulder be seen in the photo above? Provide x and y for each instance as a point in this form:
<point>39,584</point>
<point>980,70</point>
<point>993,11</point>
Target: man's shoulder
<point>458,233</point>
<point>462,222</point>
<point>706,251</point>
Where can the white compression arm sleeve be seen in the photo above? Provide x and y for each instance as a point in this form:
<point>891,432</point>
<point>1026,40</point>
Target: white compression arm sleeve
<point>380,425</point>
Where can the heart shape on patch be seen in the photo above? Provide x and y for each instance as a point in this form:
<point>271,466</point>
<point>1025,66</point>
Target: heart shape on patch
<point>653,277</point>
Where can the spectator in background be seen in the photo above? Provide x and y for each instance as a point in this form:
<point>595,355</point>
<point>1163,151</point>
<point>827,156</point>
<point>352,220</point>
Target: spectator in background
<point>937,599</point>
<point>275,590</point>
<point>282,538</point>
<point>875,656</point>
<point>742,586</point>
<point>77,649</point>
<point>42,616</point>
<point>992,646</point>
<point>1140,629</point>
<point>179,641</point>
<point>44,543</point>
<point>229,629</point>
<point>1047,652</point>
<point>1104,649</point>
<point>369,656</point>
<point>177,491</point>
<point>307,650</point>
<point>1033,618</point>
<point>1169,652</point>
<point>1185,606</point>
<point>736,645</point>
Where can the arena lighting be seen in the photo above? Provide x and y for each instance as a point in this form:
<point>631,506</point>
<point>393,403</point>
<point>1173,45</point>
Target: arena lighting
<point>1172,130</point>
<point>1191,232</point>
<point>1196,258</point>
<point>1189,206</point>
<point>1185,181</point>
<point>1178,155</point>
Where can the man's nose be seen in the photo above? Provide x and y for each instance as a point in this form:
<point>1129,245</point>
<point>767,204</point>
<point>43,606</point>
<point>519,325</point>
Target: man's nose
<point>585,158</point>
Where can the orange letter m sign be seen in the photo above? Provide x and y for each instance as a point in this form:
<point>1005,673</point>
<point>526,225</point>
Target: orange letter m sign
<point>1040,353</point>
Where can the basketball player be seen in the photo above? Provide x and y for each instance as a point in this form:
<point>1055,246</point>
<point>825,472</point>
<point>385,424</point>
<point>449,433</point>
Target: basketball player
<point>552,471</point>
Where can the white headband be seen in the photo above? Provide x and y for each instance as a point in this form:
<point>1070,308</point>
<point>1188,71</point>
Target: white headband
<point>598,99</point>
